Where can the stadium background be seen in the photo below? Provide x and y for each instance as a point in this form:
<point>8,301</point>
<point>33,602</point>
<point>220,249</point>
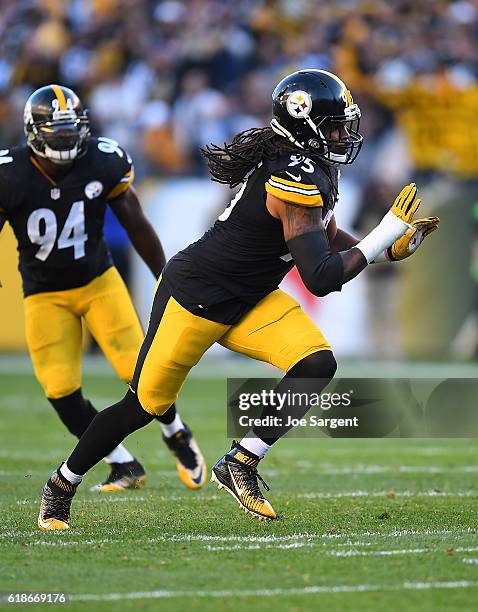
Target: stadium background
<point>166,77</point>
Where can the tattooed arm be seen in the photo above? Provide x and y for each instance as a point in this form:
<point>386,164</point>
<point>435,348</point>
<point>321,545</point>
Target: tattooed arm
<point>321,270</point>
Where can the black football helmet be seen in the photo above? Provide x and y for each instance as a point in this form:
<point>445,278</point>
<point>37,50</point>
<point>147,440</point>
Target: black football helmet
<point>56,124</point>
<point>314,110</point>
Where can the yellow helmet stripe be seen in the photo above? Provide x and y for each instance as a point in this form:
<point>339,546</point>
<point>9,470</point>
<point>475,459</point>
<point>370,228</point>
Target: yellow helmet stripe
<point>342,84</point>
<point>60,96</point>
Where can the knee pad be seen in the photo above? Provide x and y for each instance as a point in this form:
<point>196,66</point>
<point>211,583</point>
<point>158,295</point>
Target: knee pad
<point>155,403</point>
<point>156,394</point>
<point>58,381</point>
<point>320,364</point>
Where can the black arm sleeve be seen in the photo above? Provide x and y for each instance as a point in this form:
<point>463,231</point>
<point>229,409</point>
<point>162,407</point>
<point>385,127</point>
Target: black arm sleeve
<point>321,271</point>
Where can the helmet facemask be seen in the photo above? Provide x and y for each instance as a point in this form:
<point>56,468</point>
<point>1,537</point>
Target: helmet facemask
<point>338,138</point>
<point>61,139</point>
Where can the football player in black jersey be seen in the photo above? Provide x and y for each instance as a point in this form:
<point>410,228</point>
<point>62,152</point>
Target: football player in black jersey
<point>54,191</point>
<point>224,288</point>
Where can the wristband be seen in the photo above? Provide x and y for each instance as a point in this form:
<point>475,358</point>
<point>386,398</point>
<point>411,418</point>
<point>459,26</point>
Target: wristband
<point>384,235</point>
<point>385,255</point>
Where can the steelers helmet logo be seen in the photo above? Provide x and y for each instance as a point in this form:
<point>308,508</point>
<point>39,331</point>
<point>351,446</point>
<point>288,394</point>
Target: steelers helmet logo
<point>299,104</point>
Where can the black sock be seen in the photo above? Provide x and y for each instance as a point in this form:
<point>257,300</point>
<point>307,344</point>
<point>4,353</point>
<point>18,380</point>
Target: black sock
<point>310,375</point>
<point>107,430</point>
<point>75,411</point>
<point>168,417</point>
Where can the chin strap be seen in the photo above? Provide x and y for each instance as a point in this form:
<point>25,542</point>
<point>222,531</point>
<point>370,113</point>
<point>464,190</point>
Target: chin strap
<point>278,129</point>
<point>327,156</point>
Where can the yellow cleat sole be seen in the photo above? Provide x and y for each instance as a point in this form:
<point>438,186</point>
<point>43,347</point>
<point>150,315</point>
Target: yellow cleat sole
<point>187,480</point>
<point>115,488</point>
<point>52,524</point>
<point>256,515</point>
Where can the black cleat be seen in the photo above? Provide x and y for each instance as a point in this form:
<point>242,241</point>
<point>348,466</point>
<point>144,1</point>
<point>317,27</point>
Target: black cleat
<point>236,472</point>
<point>129,475</point>
<point>189,460</point>
<point>55,504</point>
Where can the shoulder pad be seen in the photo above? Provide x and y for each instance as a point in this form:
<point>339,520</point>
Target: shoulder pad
<point>13,173</point>
<point>117,165</point>
<point>112,148</point>
<point>295,178</point>
<point>11,158</point>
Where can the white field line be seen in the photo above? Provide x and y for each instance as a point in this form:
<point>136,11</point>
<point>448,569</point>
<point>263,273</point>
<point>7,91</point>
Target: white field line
<point>155,540</point>
<point>45,473</point>
<point>401,469</point>
<point>60,538</point>
<point>355,544</point>
<point>391,552</point>
<point>260,546</point>
<point>343,553</point>
<point>103,498</point>
<point>312,590</point>
<point>388,494</point>
<point>427,451</point>
<point>471,561</point>
<point>320,468</point>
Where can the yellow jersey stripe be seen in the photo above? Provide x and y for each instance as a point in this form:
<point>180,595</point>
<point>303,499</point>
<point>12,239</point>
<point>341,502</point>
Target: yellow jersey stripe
<point>278,179</point>
<point>60,96</point>
<point>122,186</point>
<point>342,84</point>
<point>294,197</point>
<point>126,178</point>
<point>306,192</point>
<point>157,284</point>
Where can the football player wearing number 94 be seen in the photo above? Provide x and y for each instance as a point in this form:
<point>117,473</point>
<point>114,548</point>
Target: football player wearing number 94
<point>54,192</point>
<point>224,288</point>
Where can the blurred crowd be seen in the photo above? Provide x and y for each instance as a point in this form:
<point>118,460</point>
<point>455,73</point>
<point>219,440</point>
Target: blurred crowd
<point>167,76</point>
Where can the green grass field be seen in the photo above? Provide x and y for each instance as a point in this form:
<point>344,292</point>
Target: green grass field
<point>364,524</point>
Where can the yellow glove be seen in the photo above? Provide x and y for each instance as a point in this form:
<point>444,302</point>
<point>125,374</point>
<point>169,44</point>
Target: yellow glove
<point>412,238</point>
<point>405,205</point>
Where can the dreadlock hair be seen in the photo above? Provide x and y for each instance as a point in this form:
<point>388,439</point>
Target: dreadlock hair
<point>231,163</point>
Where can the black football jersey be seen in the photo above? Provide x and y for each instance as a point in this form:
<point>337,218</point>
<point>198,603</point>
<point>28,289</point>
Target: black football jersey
<point>244,256</point>
<point>58,222</point>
